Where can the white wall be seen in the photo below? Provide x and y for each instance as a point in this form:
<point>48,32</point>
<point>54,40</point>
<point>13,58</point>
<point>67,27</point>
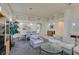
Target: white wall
<point>75,16</point>
<point>71,15</point>
<point>5,9</point>
<point>67,22</point>
<point>56,20</point>
<point>43,21</point>
<point>58,26</point>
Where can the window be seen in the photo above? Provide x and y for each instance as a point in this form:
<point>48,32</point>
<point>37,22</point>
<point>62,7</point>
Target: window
<point>38,27</point>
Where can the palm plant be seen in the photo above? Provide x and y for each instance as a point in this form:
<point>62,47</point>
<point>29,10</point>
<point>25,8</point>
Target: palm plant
<point>12,28</point>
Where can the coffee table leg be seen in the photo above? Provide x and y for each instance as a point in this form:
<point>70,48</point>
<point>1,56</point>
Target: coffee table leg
<point>62,53</point>
<point>72,51</point>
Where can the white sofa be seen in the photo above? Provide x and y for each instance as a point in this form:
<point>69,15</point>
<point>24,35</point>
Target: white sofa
<point>66,43</point>
<point>76,49</point>
<point>35,41</point>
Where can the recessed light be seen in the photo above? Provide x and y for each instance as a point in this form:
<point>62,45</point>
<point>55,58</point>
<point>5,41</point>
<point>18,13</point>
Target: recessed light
<point>38,18</point>
<point>21,23</point>
<point>49,24</point>
<point>31,24</point>
<point>10,19</point>
<point>73,24</point>
<point>30,8</point>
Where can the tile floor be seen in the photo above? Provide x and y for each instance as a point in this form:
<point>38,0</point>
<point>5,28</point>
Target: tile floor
<point>23,48</point>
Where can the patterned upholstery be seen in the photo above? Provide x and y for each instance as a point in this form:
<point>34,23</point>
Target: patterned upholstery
<point>35,41</point>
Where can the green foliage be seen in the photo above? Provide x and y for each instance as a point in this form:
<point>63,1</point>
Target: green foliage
<point>14,27</point>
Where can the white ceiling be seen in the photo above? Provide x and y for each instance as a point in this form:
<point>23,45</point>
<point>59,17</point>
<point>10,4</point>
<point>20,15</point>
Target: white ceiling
<point>38,9</point>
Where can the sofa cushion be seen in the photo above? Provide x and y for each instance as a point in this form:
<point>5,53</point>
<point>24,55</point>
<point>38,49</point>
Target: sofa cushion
<point>55,41</point>
<point>34,37</point>
<point>67,46</point>
<point>76,49</point>
<point>62,44</point>
<point>57,37</point>
<point>69,40</point>
<point>78,41</point>
<point>37,41</point>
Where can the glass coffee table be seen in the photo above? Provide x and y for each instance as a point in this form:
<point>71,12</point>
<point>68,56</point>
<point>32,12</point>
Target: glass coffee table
<point>51,49</point>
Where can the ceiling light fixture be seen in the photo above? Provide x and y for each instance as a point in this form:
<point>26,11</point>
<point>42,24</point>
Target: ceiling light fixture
<point>73,24</point>
<point>49,24</point>
<point>21,23</point>
<point>30,8</point>
<point>31,24</point>
<point>10,19</point>
<point>38,18</point>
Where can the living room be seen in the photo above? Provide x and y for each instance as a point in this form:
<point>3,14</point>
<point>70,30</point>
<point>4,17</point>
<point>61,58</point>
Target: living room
<point>41,29</point>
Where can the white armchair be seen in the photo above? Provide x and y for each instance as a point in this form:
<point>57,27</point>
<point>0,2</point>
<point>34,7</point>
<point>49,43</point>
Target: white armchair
<point>35,41</point>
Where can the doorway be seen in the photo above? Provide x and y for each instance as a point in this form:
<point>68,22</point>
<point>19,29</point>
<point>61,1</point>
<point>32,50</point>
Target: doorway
<point>59,28</point>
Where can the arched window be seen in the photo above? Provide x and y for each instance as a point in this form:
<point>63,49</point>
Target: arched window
<point>38,27</point>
